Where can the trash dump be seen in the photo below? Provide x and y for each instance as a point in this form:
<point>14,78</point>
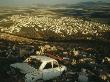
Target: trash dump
<point>40,68</point>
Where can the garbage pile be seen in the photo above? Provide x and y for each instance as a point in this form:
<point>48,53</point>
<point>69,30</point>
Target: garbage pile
<point>84,65</point>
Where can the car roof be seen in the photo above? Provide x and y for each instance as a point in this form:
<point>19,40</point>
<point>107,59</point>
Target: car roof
<point>43,58</point>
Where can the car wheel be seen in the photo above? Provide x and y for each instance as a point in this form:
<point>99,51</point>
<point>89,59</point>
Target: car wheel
<point>64,76</point>
<point>40,80</point>
<point>58,79</point>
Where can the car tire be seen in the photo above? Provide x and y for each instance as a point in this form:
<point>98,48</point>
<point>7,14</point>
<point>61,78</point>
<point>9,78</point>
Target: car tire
<point>40,80</point>
<point>58,79</point>
<point>63,73</point>
<point>64,76</point>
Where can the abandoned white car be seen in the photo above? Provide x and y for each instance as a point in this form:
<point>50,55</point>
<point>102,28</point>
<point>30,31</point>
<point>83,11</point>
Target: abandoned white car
<point>40,68</point>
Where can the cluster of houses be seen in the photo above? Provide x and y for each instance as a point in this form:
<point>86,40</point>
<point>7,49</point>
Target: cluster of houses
<point>60,25</point>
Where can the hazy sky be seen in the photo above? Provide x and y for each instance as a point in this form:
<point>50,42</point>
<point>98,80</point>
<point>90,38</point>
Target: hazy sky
<point>33,2</point>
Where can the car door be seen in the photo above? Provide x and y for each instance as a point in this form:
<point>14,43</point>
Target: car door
<point>48,71</point>
<point>56,69</point>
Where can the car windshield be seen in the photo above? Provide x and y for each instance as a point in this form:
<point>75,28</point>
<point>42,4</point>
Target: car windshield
<point>34,63</point>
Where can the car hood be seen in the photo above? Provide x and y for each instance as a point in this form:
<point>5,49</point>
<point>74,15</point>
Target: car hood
<point>24,67</point>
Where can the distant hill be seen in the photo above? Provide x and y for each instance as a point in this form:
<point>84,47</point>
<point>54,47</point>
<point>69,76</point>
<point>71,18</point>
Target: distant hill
<point>91,4</point>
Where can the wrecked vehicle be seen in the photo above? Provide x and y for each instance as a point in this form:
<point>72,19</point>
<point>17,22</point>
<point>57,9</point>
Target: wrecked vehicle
<point>40,68</point>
